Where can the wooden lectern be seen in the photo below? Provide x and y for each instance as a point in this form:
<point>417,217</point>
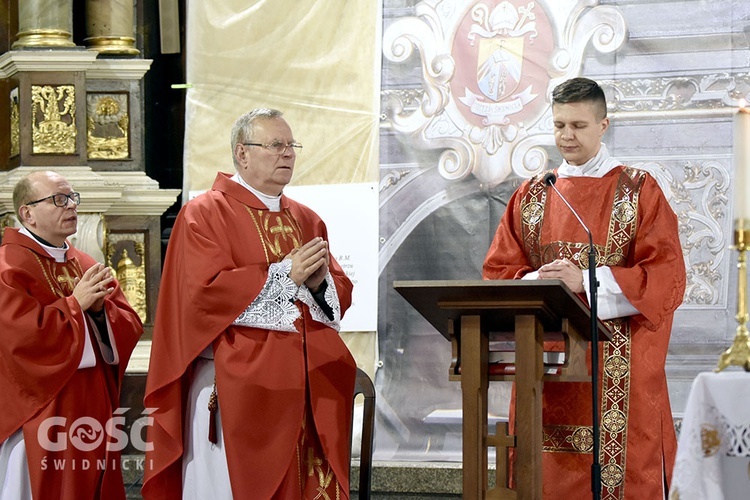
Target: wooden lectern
<point>467,313</point>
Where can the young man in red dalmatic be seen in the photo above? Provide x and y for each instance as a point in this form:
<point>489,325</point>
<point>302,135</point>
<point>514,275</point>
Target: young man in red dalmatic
<point>251,384</point>
<point>67,335</point>
<point>641,273</point>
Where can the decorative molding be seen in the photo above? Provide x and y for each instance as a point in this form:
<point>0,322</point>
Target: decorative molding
<point>711,91</point>
<point>392,178</point>
<point>15,61</point>
<point>700,199</point>
<point>698,96</point>
<point>111,193</point>
<point>118,69</point>
<point>141,195</point>
<point>487,69</point>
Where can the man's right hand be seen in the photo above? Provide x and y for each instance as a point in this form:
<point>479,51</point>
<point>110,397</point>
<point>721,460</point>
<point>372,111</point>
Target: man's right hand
<point>308,259</point>
<point>93,287</point>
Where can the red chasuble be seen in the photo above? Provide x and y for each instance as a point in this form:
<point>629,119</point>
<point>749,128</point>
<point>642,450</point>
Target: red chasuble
<point>41,344</point>
<point>636,234</point>
<point>267,381</point>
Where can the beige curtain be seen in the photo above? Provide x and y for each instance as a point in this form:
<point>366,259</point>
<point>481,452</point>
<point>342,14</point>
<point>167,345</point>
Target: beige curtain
<point>317,61</point>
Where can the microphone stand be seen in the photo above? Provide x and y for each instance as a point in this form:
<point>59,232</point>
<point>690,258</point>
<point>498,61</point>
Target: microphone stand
<point>596,470</point>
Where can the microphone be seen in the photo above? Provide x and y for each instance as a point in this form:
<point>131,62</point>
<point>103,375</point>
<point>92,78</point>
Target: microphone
<point>549,179</point>
<point>596,480</point>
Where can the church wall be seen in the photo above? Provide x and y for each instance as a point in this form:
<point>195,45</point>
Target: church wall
<point>673,83</point>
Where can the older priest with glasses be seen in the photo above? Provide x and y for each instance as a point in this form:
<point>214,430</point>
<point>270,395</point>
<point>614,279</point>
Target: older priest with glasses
<point>67,335</point>
<point>251,382</point>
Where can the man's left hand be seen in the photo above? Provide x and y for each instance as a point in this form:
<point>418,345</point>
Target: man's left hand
<point>565,270</point>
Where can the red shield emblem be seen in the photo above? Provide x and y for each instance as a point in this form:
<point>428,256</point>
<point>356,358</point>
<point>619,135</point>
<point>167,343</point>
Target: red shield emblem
<point>502,50</point>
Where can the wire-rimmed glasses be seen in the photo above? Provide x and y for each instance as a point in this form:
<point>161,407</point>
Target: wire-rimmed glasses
<point>277,147</point>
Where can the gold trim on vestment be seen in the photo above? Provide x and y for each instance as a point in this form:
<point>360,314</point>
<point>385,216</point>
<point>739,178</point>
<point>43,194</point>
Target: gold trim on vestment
<point>273,227</point>
<point>55,281</point>
<point>567,439</point>
<point>309,464</point>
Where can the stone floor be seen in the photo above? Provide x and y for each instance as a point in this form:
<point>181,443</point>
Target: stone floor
<point>390,480</point>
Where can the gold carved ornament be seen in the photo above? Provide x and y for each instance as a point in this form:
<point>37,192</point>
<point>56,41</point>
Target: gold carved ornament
<point>53,110</point>
<point>15,124</point>
<point>132,278</point>
<point>107,127</point>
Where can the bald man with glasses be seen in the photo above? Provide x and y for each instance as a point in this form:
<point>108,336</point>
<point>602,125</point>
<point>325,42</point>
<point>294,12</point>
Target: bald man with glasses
<point>67,335</point>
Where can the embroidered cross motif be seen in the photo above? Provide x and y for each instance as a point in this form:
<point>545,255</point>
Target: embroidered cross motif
<point>312,462</point>
<point>66,278</point>
<point>325,481</point>
<point>281,229</point>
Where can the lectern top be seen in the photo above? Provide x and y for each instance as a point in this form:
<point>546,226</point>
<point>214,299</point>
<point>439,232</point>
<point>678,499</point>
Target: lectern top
<point>498,302</point>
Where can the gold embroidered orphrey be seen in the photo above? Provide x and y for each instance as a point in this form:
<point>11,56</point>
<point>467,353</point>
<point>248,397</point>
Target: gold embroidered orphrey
<point>58,274</point>
<point>310,465</point>
<point>273,228</point>
<point>616,355</point>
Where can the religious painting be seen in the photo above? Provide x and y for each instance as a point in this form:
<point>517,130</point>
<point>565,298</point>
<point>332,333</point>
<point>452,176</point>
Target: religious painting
<point>107,126</point>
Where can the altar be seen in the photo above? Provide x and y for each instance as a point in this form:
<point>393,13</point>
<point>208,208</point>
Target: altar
<point>713,452</point>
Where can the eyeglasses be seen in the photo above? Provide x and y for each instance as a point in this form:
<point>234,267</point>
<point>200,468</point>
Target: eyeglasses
<point>60,199</point>
<point>277,147</point>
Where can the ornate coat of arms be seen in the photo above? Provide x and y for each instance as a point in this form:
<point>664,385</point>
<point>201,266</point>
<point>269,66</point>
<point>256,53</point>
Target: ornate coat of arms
<point>488,68</point>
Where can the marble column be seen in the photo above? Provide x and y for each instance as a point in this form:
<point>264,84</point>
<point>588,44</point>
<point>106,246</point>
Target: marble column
<point>109,27</point>
<point>45,23</point>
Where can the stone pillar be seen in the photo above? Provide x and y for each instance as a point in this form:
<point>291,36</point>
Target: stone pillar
<point>109,27</point>
<point>45,23</point>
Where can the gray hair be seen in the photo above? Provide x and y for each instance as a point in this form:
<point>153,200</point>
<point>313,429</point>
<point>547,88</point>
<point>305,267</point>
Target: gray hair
<point>244,127</point>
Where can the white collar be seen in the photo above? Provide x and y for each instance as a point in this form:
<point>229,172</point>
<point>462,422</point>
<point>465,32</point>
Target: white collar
<point>55,252</point>
<point>272,203</point>
<point>598,166</point>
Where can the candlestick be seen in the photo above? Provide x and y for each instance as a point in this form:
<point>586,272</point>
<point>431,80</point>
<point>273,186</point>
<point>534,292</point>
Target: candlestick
<point>739,352</point>
<point>742,164</point>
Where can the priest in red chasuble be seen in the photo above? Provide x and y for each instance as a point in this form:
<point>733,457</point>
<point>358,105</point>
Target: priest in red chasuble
<point>67,335</point>
<point>251,384</point>
<point>641,273</point>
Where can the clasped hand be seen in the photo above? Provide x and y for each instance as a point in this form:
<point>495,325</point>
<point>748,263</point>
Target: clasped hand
<point>565,270</point>
<point>309,263</point>
<point>91,289</point>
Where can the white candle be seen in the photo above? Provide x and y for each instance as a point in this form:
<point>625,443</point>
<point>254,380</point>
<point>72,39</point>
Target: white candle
<point>742,164</point>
